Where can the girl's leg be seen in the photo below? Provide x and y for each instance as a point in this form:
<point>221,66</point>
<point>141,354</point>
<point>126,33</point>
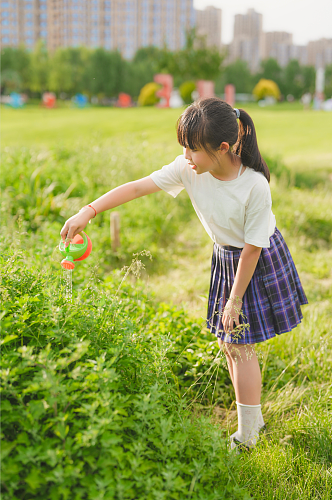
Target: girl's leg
<point>229,360</point>
<point>246,378</point>
<point>246,374</point>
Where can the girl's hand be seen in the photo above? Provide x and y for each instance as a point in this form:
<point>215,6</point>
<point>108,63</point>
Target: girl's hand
<point>76,224</point>
<point>231,314</point>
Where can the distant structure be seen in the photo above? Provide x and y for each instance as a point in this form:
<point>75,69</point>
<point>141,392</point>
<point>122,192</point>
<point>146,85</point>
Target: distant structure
<point>112,24</point>
<point>251,44</point>
<point>277,44</point>
<point>248,40</point>
<point>208,23</point>
<point>320,52</point>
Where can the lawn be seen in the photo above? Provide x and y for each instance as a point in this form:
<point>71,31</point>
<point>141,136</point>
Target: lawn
<point>151,329</point>
<point>301,138</point>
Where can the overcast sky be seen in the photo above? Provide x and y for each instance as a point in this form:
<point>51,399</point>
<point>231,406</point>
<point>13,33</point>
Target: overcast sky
<point>306,19</point>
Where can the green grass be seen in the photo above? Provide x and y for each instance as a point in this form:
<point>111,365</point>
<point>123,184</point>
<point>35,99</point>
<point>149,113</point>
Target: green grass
<point>293,460</point>
<point>301,138</point>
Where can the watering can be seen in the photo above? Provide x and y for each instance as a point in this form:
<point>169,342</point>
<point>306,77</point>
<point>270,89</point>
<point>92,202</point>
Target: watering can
<point>79,249</point>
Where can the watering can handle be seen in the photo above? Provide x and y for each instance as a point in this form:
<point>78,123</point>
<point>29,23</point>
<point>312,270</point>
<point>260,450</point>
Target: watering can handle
<point>85,239</point>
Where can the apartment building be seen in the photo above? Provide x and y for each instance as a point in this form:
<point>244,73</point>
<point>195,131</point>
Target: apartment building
<point>114,24</point>
<point>248,40</point>
<point>320,52</point>
<point>208,24</point>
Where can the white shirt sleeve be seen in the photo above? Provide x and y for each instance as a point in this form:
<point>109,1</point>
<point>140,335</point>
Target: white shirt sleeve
<point>258,216</point>
<point>169,177</point>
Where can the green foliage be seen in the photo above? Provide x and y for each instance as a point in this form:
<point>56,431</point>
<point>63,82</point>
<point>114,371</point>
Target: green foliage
<point>328,81</point>
<point>195,61</point>
<point>238,74</point>
<point>47,187</point>
<point>147,96</point>
<point>68,69</point>
<point>186,89</point>
<point>270,70</point>
<point>40,65</point>
<point>11,81</point>
<point>15,67</point>
<point>102,72</point>
<point>106,68</point>
<point>89,402</point>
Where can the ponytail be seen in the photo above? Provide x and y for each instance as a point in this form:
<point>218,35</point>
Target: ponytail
<point>246,146</point>
<point>208,122</point>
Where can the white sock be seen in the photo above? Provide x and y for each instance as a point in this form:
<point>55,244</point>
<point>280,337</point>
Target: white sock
<point>249,422</point>
<point>261,422</point>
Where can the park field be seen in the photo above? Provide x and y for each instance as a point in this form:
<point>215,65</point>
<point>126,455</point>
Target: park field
<point>126,365</point>
<point>301,138</point>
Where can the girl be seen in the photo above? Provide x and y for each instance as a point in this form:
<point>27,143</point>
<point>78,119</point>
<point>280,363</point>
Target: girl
<point>255,291</point>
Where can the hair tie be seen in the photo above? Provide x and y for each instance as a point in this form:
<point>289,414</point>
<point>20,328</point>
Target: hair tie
<point>237,112</point>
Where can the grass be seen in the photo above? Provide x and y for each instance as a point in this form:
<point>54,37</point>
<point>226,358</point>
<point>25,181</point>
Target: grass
<point>106,147</point>
<point>301,138</point>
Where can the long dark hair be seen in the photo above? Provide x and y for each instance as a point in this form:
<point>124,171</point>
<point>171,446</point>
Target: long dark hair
<point>208,122</point>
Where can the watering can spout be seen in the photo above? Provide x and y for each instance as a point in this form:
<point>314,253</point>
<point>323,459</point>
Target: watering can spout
<point>68,263</point>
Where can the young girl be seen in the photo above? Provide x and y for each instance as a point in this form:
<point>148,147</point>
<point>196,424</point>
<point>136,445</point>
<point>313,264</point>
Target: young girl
<point>252,269</point>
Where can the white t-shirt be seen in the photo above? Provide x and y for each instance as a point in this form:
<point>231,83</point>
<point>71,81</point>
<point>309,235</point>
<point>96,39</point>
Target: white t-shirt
<point>232,212</point>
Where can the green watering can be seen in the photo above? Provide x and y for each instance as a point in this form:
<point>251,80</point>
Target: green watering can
<point>79,249</point>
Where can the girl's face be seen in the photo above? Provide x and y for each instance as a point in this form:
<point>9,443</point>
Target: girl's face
<point>199,160</point>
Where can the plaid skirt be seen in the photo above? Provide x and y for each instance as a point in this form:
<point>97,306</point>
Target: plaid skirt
<point>271,303</point>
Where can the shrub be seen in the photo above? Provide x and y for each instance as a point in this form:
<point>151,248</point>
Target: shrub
<point>147,96</point>
<point>90,408</point>
<point>266,88</point>
<point>186,89</point>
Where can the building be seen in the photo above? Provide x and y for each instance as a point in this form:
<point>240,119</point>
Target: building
<point>277,44</point>
<point>23,22</point>
<point>300,53</point>
<point>114,24</point>
<point>248,40</point>
<point>208,24</point>
<point>320,52</point>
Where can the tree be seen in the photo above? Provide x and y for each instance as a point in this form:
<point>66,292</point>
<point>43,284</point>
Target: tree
<point>238,74</point>
<point>294,79</point>
<point>104,72</point>
<point>328,81</point>
<point>195,61</point>
<point>39,68</point>
<point>15,68</point>
<point>67,70</point>
<point>270,70</point>
<point>141,70</point>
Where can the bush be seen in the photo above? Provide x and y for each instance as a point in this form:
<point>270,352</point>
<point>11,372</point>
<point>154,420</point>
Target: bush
<point>89,403</point>
<point>266,88</point>
<point>186,90</point>
<point>147,96</point>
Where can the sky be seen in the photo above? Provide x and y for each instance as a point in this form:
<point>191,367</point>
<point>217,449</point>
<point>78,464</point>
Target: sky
<point>306,19</point>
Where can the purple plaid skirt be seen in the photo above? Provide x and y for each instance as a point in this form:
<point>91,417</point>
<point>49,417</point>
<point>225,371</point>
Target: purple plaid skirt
<point>271,303</point>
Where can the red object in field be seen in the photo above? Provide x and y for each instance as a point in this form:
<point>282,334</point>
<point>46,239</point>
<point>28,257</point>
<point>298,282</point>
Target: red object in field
<point>49,100</point>
<point>124,100</point>
<point>165,92</point>
<point>230,94</point>
<point>205,88</point>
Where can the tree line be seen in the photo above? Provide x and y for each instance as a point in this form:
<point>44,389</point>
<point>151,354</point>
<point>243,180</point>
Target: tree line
<point>293,79</point>
<point>68,71</point>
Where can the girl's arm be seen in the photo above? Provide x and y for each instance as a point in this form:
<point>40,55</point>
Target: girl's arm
<point>246,268</point>
<point>112,199</point>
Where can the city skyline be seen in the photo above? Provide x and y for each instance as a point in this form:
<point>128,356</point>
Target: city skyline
<point>294,17</point>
